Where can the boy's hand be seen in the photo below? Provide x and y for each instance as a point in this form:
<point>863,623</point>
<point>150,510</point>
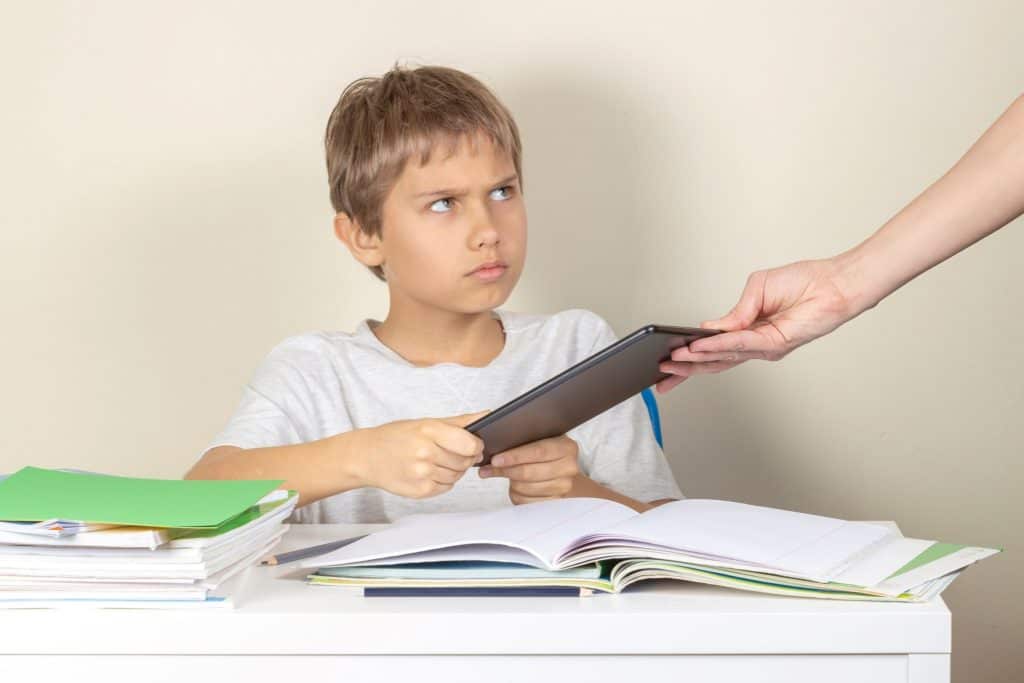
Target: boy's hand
<point>537,471</point>
<point>419,458</point>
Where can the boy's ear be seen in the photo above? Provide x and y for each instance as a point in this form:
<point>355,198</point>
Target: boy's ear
<point>365,248</point>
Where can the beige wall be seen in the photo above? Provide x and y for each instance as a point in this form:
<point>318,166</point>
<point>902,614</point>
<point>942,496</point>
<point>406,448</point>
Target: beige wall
<point>165,222</point>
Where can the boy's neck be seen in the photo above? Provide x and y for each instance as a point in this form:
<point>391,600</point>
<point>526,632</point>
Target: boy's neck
<point>429,337</point>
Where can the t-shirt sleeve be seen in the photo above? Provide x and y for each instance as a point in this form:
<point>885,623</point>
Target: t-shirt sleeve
<point>277,405</point>
<point>618,448</point>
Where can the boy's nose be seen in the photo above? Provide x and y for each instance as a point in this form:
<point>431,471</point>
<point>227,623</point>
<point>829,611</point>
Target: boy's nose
<point>487,239</point>
<point>485,232</point>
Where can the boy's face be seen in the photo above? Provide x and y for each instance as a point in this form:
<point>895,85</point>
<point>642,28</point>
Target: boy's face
<point>453,232</point>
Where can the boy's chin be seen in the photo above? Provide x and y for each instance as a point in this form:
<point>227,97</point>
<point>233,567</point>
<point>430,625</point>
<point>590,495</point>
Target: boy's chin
<point>481,308</point>
<point>476,304</point>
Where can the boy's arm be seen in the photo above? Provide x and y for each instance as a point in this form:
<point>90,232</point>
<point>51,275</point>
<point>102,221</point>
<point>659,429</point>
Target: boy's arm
<point>411,458</point>
<point>316,469</point>
<point>584,486</point>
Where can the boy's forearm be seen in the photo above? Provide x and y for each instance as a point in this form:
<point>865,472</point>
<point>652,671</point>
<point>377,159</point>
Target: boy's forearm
<point>316,469</point>
<point>585,487</point>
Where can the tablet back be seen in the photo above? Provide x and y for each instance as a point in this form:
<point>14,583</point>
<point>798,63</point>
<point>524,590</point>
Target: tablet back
<point>585,390</point>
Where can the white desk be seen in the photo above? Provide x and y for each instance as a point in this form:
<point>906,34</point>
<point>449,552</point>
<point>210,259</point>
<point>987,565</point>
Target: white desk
<point>283,629</point>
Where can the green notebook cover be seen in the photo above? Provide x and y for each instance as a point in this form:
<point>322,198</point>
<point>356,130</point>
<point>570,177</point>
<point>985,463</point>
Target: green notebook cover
<point>33,494</point>
<point>251,514</point>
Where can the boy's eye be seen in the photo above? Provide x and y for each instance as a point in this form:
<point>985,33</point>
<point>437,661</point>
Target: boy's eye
<point>442,205</point>
<point>502,193</point>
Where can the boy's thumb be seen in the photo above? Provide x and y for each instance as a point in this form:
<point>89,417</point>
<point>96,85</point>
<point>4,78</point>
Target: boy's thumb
<point>465,420</point>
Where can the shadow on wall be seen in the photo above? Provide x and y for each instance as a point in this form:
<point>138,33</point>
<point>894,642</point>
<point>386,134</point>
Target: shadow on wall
<point>199,267</point>
<point>580,168</point>
<point>596,222</point>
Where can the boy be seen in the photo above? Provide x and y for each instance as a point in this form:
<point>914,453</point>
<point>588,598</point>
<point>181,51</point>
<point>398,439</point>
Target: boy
<point>426,181</point>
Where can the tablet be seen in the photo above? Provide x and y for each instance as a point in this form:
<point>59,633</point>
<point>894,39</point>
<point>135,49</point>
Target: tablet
<point>585,390</point>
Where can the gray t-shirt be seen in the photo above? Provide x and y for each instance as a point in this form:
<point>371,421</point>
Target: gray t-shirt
<point>319,384</point>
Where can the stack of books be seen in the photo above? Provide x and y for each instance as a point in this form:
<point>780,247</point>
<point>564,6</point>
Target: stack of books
<point>582,545</point>
<point>75,538</point>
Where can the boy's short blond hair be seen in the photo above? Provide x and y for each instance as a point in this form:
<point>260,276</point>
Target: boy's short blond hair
<point>380,123</point>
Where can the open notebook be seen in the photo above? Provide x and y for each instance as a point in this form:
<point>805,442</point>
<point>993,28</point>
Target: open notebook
<point>709,541</point>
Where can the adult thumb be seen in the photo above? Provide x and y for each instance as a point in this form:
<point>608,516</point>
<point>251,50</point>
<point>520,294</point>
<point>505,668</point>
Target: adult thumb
<point>746,310</point>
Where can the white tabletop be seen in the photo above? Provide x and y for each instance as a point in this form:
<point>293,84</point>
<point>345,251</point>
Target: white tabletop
<point>277,613</point>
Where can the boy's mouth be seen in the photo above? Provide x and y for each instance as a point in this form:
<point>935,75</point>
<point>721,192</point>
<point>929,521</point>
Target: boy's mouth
<point>491,270</point>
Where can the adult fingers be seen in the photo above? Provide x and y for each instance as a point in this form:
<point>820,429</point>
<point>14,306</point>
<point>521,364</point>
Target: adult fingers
<point>688,369</point>
<point>669,383</point>
<point>751,342</point>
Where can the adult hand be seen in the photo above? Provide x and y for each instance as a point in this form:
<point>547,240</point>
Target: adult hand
<point>783,308</point>
<point>779,310</point>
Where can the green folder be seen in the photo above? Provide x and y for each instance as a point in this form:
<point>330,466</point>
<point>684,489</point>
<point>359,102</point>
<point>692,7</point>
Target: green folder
<point>33,494</point>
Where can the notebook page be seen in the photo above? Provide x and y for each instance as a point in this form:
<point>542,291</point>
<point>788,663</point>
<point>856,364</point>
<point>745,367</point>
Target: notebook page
<point>793,541</point>
<point>461,553</point>
<point>543,529</point>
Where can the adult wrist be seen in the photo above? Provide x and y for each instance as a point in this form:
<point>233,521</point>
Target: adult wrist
<point>854,273</point>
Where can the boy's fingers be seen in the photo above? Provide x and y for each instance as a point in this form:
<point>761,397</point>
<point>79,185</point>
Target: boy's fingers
<point>538,451</point>
<point>454,461</point>
<point>534,471</point>
<point>455,439</point>
<point>518,472</point>
<point>523,500</point>
<point>444,475</point>
<point>535,488</point>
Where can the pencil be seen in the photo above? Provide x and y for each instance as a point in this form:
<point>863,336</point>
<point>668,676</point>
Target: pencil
<point>312,551</point>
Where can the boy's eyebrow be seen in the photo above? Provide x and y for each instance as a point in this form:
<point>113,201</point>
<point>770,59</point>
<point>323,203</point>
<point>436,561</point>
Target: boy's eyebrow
<point>454,192</point>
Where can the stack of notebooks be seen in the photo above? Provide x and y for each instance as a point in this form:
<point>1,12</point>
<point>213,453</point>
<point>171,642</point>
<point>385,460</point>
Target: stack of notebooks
<point>75,538</point>
<point>583,545</point>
